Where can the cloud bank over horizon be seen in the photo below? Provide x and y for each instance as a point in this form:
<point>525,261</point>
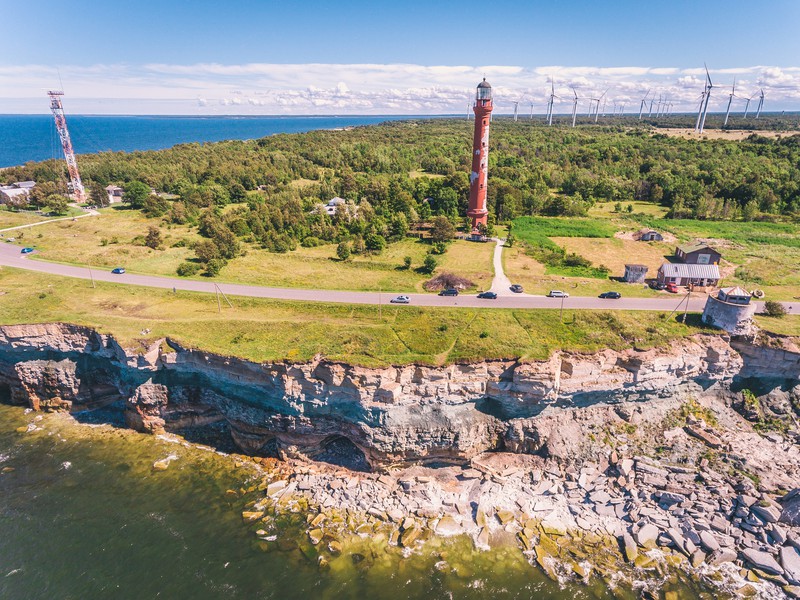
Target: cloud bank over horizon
<point>327,89</point>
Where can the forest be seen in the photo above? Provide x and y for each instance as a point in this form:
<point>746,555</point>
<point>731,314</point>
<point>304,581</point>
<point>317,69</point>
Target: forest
<point>399,174</point>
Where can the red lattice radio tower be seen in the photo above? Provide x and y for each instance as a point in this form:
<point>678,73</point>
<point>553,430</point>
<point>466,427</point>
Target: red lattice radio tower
<point>75,185</point>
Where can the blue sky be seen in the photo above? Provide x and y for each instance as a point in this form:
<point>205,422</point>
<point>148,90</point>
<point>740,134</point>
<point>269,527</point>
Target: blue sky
<point>323,57</point>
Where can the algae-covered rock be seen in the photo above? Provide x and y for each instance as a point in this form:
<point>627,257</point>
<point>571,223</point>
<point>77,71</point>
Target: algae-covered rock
<point>315,535</point>
<point>410,536</point>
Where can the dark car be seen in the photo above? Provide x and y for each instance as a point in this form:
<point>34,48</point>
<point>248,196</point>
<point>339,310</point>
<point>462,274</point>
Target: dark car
<point>118,271</point>
<point>27,250</point>
<point>449,292</point>
<point>657,285</point>
<point>488,295</point>
<point>611,295</point>
<point>516,288</point>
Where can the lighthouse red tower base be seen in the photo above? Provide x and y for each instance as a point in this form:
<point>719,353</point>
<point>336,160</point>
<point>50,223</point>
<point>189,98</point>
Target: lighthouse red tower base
<point>480,158</point>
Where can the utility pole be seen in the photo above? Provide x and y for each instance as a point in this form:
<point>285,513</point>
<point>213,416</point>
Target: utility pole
<point>561,317</point>
<point>91,276</point>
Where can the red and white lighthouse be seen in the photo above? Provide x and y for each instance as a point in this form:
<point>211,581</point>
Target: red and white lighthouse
<point>480,157</point>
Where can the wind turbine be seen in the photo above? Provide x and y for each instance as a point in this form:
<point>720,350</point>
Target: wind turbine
<point>531,111</point>
<point>709,87</point>
<point>516,107</point>
<point>731,96</point>
<point>650,112</point>
<point>551,102</point>
<point>574,106</point>
<point>643,104</point>
<point>597,108</point>
<point>760,103</point>
<point>747,105</point>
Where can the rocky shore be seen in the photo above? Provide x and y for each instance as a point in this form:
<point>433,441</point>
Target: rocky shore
<point>619,465</point>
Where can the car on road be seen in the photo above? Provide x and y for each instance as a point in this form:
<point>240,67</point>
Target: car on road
<point>449,292</point>
<point>672,288</point>
<point>118,271</point>
<point>26,250</point>
<point>557,294</point>
<point>488,295</point>
<point>400,300</point>
<point>516,288</point>
<point>610,295</point>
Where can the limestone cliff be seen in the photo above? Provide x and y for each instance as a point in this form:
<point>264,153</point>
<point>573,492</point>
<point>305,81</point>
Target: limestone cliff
<point>393,414</point>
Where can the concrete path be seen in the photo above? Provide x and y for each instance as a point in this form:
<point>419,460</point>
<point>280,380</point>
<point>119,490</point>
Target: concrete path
<point>90,213</point>
<point>10,256</point>
<point>500,283</point>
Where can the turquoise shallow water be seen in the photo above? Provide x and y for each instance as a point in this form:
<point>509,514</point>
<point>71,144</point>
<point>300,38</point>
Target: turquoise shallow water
<point>84,515</point>
<point>33,137</point>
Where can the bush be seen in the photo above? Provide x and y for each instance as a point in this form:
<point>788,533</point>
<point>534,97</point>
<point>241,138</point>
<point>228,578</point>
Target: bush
<point>214,266</point>
<point>774,309</point>
<point>407,262</point>
<point>429,264</point>
<point>187,269</point>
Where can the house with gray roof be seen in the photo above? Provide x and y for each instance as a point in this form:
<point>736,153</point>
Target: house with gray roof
<point>683,274</point>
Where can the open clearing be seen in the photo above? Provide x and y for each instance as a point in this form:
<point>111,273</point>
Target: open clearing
<point>116,239</point>
<point>615,253</point>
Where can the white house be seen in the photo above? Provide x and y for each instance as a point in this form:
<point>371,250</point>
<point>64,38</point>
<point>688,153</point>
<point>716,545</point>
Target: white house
<point>115,193</point>
<point>16,193</point>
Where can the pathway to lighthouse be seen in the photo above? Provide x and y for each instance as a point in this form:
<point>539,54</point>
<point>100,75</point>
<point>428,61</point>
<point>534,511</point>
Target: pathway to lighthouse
<point>500,283</point>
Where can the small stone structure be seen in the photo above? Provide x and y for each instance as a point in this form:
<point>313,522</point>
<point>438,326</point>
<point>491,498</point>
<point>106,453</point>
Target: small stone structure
<point>730,310</point>
<point>635,273</point>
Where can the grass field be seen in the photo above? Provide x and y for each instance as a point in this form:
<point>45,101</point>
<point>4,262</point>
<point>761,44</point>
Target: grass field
<point>616,253</point>
<point>115,239</point>
<point>606,209</point>
<point>756,255</point>
<point>265,330</point>
<point>533,276</point>
<point>13,219</point>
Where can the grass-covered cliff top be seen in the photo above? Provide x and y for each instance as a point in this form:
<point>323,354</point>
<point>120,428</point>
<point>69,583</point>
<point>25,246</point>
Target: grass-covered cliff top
<point>271,330</point>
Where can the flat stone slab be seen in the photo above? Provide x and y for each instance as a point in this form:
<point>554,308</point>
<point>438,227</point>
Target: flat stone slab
<point>763,561</point>
<point>790,561</point>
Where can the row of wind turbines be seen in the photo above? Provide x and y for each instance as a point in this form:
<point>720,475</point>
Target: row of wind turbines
<point>649,105</point>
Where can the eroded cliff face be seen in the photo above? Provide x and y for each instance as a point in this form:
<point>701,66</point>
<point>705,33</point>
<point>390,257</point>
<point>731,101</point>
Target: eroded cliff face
<point>391,415</point>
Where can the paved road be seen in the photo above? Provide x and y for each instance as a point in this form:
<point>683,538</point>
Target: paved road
<point>10,256</point>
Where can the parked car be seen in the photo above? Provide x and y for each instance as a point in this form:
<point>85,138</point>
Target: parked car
<point>557,294</point>
<point>611,295</point>
<point>400,300</point>
<point>449,292</point>
<point>26,250</point>
<point>118,271</point>
<point>657,285</point>
<point>516,288</point>
<point>488,295</point>
<point>672,288</point>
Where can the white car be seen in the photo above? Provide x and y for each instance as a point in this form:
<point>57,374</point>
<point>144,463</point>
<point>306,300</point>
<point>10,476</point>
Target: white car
<point>557,294</point>
<point>400,300</point>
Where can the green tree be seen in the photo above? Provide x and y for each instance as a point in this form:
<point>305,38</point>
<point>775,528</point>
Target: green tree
<point>136,193</point>
<point>375,243</point>
<point>56,204</point>
<point>429,264</point>
<point>98,194</point>
<point>343,250</point>
<point>442,230</point>
<point>407,263</point>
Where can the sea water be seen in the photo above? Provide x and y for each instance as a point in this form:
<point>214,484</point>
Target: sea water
<point>26,138</point>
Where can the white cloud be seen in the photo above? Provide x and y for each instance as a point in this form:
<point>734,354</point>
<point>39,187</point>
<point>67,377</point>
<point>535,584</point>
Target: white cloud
<point>261,88</point>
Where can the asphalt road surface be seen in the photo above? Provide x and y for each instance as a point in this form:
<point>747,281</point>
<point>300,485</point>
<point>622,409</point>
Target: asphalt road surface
<point>10,256</point>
